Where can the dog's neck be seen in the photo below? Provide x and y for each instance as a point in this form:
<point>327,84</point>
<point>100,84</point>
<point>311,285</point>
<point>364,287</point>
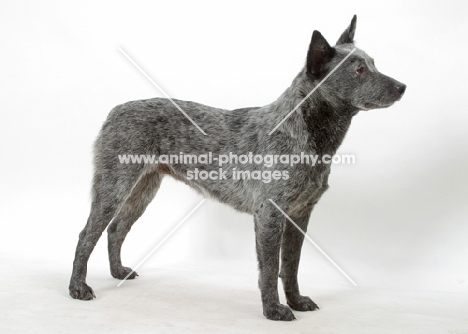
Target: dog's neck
<point>326,125</point>
<point>319,123</point>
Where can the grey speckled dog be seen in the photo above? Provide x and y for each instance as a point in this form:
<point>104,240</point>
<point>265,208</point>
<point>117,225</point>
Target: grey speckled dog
<point>121,192</point>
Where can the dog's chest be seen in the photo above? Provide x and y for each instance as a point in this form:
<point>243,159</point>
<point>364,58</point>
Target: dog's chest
<point>307,192</point>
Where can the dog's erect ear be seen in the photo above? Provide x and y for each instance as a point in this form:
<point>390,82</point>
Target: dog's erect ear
<point>320,53</point>
<point>348,35</point>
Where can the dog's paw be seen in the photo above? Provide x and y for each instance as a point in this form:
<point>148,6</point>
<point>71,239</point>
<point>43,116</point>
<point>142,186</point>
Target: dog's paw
<point>81,291</point>
<point>302,303</point>
<point>278,312</point>
<point>122,272</point>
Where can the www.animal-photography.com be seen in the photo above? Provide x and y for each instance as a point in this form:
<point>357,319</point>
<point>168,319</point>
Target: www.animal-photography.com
<point>238,167</point>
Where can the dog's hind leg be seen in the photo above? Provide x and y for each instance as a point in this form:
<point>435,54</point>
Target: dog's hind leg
<point>291,246</point>
<point>109,192</point>
<point>269,226</point>
<point>142,194</point>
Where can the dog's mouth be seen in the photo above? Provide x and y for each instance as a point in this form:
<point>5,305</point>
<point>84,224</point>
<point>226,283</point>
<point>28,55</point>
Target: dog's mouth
<point>370,105</point>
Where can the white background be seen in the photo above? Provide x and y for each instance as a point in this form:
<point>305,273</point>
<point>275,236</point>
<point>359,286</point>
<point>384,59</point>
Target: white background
<point>396,221</point>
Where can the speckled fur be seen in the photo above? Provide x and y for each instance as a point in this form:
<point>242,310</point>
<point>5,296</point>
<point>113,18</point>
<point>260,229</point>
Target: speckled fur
<point>121,192</point>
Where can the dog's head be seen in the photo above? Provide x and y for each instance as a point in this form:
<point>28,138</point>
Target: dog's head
<point>350,76</point>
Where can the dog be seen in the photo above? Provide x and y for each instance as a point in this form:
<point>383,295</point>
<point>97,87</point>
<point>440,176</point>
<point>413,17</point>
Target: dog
<point>317,125</point>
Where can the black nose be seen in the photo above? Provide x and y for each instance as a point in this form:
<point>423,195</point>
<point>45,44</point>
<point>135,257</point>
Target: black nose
<point>400,88</point>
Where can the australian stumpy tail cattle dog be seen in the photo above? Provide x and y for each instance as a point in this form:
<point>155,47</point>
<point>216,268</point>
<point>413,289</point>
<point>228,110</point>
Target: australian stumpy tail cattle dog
<point>317,126</point>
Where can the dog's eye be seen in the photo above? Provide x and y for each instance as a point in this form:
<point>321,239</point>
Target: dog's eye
<point>360,70</point>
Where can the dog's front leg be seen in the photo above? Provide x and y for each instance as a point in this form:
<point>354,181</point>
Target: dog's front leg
<point>291,246</point>
<point>269,226</point>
